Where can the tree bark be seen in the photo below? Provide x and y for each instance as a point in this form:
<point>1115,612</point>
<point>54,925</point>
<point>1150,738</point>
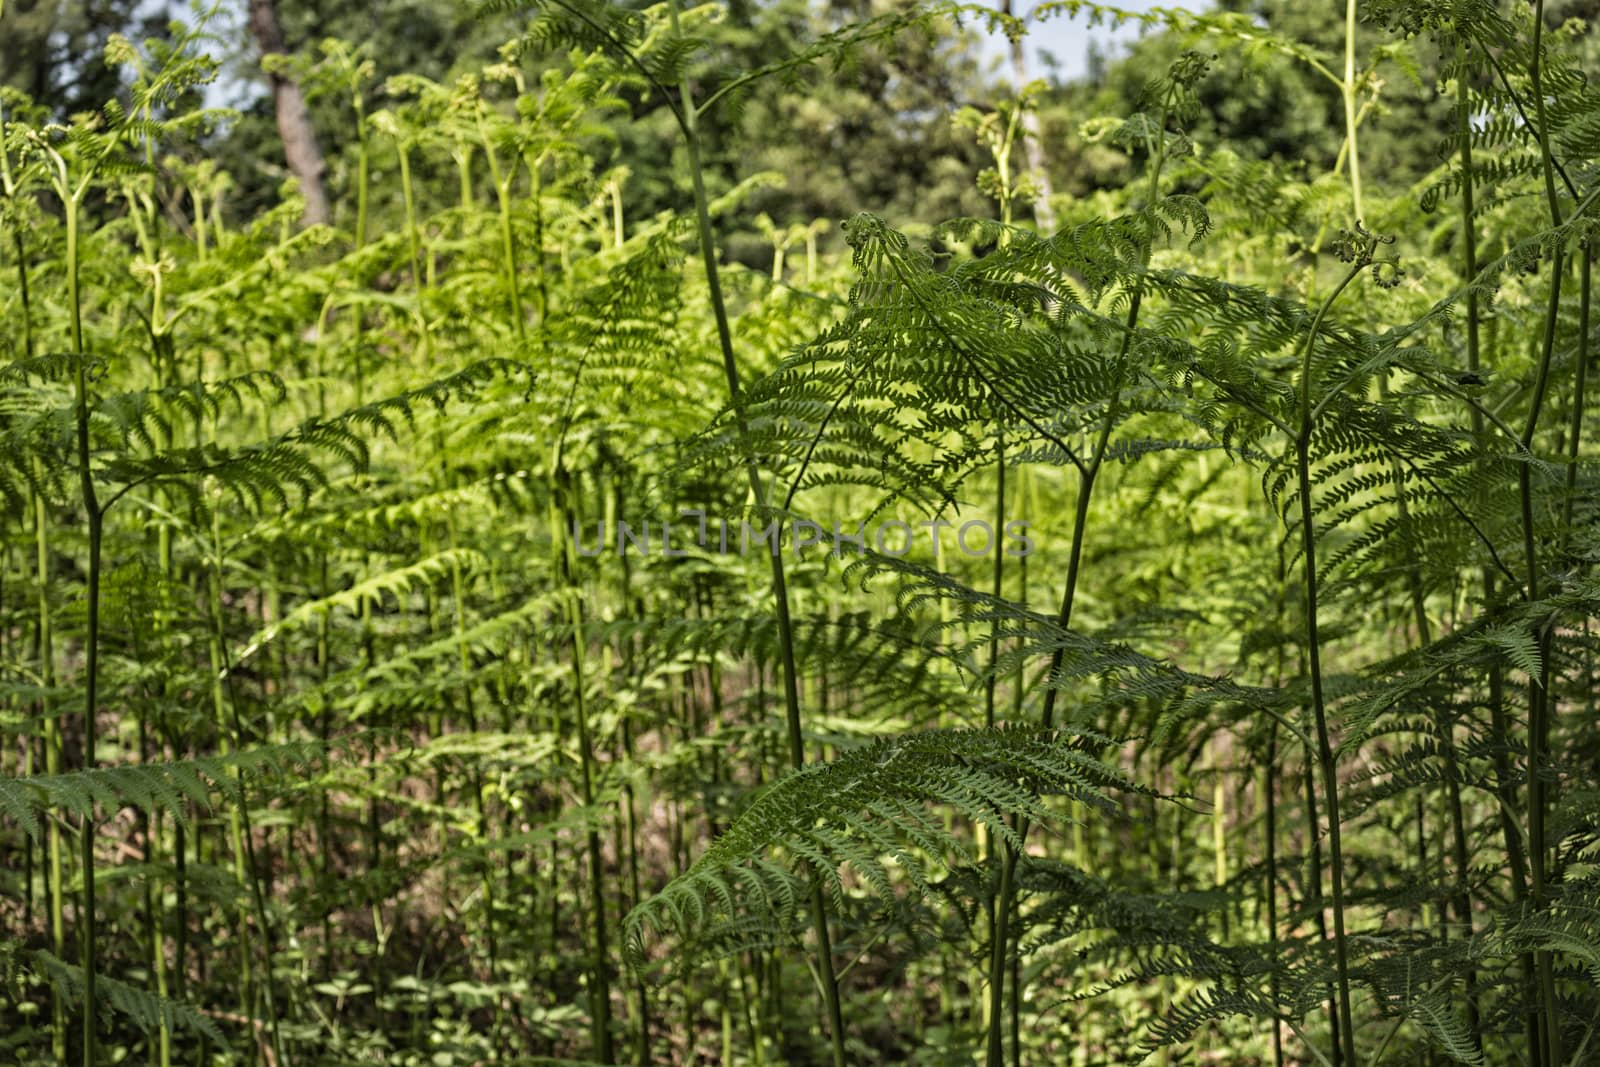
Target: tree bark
<point>294,122</point>
<point>1044,216</point>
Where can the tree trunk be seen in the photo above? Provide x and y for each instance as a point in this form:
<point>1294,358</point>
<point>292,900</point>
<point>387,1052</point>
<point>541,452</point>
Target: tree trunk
<point>1044,216</point>
<point>294,123</point>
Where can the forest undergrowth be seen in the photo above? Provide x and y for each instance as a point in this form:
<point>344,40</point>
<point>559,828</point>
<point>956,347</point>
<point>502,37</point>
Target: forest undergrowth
<point>526,634</point>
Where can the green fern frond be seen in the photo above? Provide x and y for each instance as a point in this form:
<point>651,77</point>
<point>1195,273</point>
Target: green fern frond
<point>153,788</point>
<point>146,1010</point>
<point>868,806</point>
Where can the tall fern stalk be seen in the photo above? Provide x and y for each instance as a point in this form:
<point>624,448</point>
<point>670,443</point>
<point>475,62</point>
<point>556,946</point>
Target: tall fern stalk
<point>1347,93</point>
<point>1469,271</point>
<point>1505,789</point>
<point>45,639</point>
<point>563,518</point>
<point>72,202</point>
<point>758,492</point>
<point>1088,471</point>
<point>1325,755</point>
<point>1539,702</point>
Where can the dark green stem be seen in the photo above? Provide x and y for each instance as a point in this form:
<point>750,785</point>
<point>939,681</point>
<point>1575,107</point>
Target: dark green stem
<point>1325,757</point>
<point>1539,686</point>
<point>780,589</point>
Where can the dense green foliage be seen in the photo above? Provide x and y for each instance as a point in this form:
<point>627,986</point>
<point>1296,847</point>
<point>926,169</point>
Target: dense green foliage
<point>342,726</point>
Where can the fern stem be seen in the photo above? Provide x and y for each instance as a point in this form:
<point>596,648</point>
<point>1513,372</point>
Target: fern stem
<point>1347,92</point>
<point>1463,897</point>
<point>1219,820</point>
<point>1314,878</point>
<point>780,591</point>
<point>164,363</point>
<point>363,168</point>
<point>1006,898</point>
<point>1269,792</point>
<point>414,245</point>
<point>45,639</point>
<point>508,238</point>
<point>630,653</point>
<point>1088,470</point>
<point>1505,790</point>
<point>54,882</point>
<point>1460,898</point>
<point>999,579</point>
<point>95,521</point>
<point>564,519</point>
<point>1325,759</point>
<point>614,193</point>
<point>1579,397</point>
<point>994,656</point>
<point>536,196</point>
<point>469,704</point>
<point>240,827</point>
<point>1539,687</point>
<point>1325,756</point>
<point>630,815</point>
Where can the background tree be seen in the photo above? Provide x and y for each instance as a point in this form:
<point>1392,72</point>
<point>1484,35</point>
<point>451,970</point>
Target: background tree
<point>298,136</point>
<point>53,50</point>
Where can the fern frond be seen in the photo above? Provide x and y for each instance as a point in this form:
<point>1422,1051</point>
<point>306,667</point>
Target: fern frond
<point>865,807</point>
<point>154,788</point>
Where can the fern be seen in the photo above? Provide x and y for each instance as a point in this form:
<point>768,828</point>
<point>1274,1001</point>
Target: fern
<point>144,1009</point>
<point>867,810</point>
<point>153,788</point>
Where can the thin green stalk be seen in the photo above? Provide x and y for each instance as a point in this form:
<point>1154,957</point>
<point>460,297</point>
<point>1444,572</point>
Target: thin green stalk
<point>614,190</point>
<point>535,166</point>
<point>780,591</point>
<point>508,238</point>
<point>54,883</point>
<point>469,705</point>
<point>1460,898</point>
<point>363,168</point>
<point>1347,92</point>
<point>562,520</point>
<point>999,579</point>
<point>994,638</point>
<point>1006,897</point>
<point>414,244</point>
<point>1314,876</point>
<point>630,652</point>
<point>1087,472</point>
<point>164,364</point>
<point>1269,791</point>
<point>324,804</point>
<point>230,728</point>
<point>1539,710</point>
<point>324,665</point>
<point>630,816</point>
<point>1501,764</point>
<point>1219,823</point>
<point>45,638</point>
<point>1325,757</point>
<point>1579,397</point>
<point>95,520</point>
<point>1499,727</point>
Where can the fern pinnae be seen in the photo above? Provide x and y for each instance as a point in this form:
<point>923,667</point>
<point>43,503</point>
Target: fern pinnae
<point>146,1011</point>
<point>868,793</point>
<point>166,788</point>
